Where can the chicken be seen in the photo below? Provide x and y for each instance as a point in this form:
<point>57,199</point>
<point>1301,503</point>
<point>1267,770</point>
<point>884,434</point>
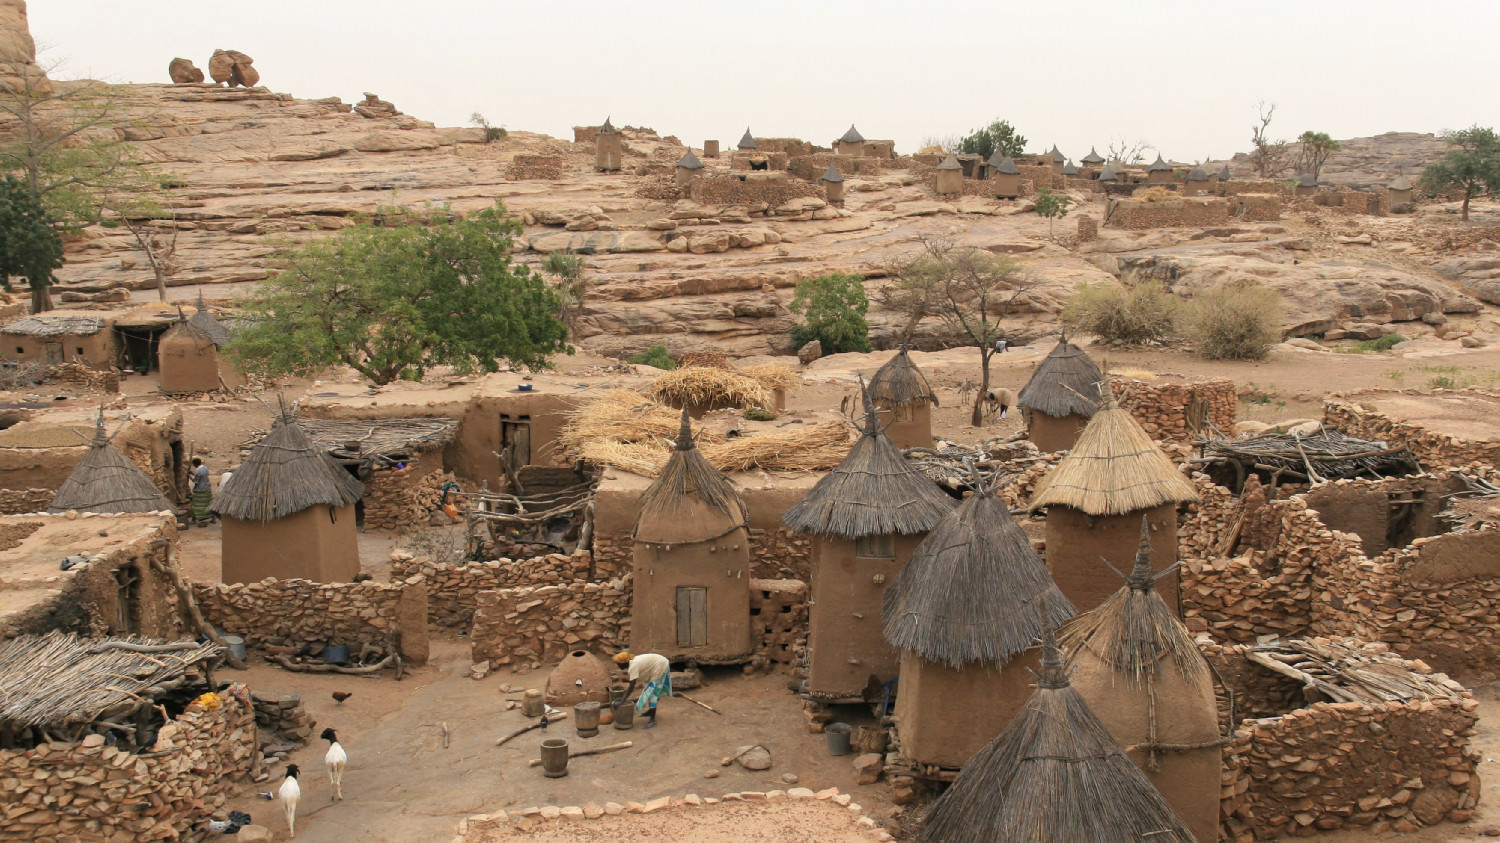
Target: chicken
<point>335,759</point>
<point>237,819</point>
<point>340,696</point>
<point>291,794</point>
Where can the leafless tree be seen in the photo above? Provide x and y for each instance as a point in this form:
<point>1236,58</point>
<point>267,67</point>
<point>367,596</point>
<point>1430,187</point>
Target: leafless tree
<point>1268,156</point>
<point>1128,152</point>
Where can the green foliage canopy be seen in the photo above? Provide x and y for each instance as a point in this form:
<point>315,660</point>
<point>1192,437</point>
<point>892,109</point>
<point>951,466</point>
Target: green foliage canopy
<point>999,135</point>
<point>1051,205</point>
<point>1316,147</point>
<point>393,300</point>
<point>833,308</point>
<point>30,246</point>
<point>1473,167</point>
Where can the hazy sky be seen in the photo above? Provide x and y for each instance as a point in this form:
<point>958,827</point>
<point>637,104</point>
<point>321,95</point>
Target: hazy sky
<point>1183,75</point>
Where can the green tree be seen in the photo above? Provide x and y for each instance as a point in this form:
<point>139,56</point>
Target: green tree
<point>1051,205</point>
<point>1473,167</point>
<point>1316,147</point>
<point>30,245</point>
<point>967,288</point>
<point>395,299</point>
<point>998,136</point>
<point>833,311</point>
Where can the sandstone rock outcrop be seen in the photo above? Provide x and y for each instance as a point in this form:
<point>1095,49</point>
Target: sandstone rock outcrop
<point>234,68</point>
<point>18,67</point>
<point>184,72</point>
<point>374,107</point>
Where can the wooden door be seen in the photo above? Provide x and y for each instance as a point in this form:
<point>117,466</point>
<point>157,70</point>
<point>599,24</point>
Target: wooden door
<point>692,616</point>
<point>54,353</point>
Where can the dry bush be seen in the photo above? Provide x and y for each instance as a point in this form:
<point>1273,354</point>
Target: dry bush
<point>1133,314</point>
<point>1236,321</point>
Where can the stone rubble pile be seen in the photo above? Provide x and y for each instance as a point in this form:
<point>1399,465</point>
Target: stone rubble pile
<point>402,498</point>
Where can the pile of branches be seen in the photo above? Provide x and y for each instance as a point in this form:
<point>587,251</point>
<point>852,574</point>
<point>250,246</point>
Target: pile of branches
<point>960,468</point>
<point>1474,506</point>
<point>1347,670</point>
<point>1325,455</point>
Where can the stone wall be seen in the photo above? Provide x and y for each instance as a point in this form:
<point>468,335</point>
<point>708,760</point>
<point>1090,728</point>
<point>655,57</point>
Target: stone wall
<point>1177,409</point>
<point>19,501</point>
<point>296,611</point>
<point>812,167</point>
<point>451,589</point>
<point>729,190</point>
<point>524,167</point>
<point>1430,448</point>
<point>1191,211</point>
<point>400,499</point>
<point>1257,207</point>
<point>528,627</point>
<point>87,377</point>
<point>91,791</point>
<point>779,618</point>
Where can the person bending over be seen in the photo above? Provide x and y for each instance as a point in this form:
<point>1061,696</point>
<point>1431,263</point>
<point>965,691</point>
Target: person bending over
<point>653,672</point>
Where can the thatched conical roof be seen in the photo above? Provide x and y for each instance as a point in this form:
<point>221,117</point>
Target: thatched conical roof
<point>852,136</point>
<point>1069,169</point>
<point>1113,469</point>
<point>1159,165</point>
<point>284,474</point>
<point>1400,183</point>
<point>1066,383</point>
<point>205,322</point>
<point>832,174</point>
<point>1108,174</point>
<point>1093,157</point>
<point>1053,776</point>
<point>1057,156</point>
<point>950,163</point>
<point>1197,174</point>
<point>1003,164</point>
<point>690,501</point>
<point>748,141</point>
<point>106,480</point>
<point>974,591</point>
<point>1224,174</point>
<point>873,492</point>
<point>689,161</point>
<point>186,329</point>
<point>1307,180</point>
<point>899,381</point>
<point>1134,632</point>
<point>608,128</point>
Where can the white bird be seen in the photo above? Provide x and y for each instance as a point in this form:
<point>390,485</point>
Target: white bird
<point>291,794</point>
<point>335,759</point>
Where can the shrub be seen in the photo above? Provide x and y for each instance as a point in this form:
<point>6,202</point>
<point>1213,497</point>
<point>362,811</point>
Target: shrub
<point>759,414</point>
<point>1134,314</point>
<point>833,308</point>
<point>655,356</point>
<point>1237,321</point>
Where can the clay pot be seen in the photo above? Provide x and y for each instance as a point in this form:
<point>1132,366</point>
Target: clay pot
<point>554,758</point>
<point>606,715</point>
<point>532,704</point>
<point>579,677</point>
<point>586,718</point>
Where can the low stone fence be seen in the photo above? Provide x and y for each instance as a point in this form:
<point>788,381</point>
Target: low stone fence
<point>1194,211</point>
<point>451,589</point>
<point>1177,408</point>
<point>524,167</point>
<point>1430,448</point>
<point>92,791</point>
<point>729,190</point>
<point>296,611</point>
<point>22,501</point>
<point>779,618</point>
<point>82,375</point>
<point>530,627</point>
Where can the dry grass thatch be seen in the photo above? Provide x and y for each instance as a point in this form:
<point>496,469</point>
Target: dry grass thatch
<point>285,474</point>
<point>1113,469</point>
<point>1055,775</point>
<point>874,491</point>
<point>691,501</point>
<point>1135,633</point>
<point>899,381</point>
<point>106,480</point>
<point>620,416</point>
<point>774,375</point>
<point>709,387</point>
<point>185,331</point>
<point>974,591</point>
<point>384,438</point>
<point>205,322</point>
<point>59,678</point>
<point>1066,383</point>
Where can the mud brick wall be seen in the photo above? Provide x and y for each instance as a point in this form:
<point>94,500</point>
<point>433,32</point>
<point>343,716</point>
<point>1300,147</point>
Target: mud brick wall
<point>774,554</point>
<point>1192,211</point>
<point>1257,207</point>
<point>812,167</point>
<point>740,159</point>
<point>524,167</point>
<point>21,501</point>
<point>1176,410</point>
<point>534,626</point>
<point>295,611</point>
<point>728,190</point>
<point>1088,229</point>
<point>451,589</point>
<point>1430,448</point>
<point>400,499</point>
<point>779,617</point>
<point>1391,767</point>
<point>91,791</point>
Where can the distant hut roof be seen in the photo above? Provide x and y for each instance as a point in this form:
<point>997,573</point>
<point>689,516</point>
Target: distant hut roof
<point>1134,632</point>
<point>1224,174</point>
<point>899,381</point>
<point>950,163</point>
<point>689,161</point>
<point>1067,382</point>
<point>690,501</point>
<point>185,329</point>
<point>974,591</point>
<point>1108,174</point>
<point>1197,174</point>
<point>284,474</point>
<point>55,326</point>
<point>61,679</point>
<point>384,440</point>
<point>1400,183</point>
<point>873,492</point>
<point>1055,774</point>
<point>832,173</point>
<point>1093,157</point>
<point>1307,180</point>
<point>106,480</point>
<point>852,136</point>
<point>1113,469</point>
<point>205,322</point>
<point>1069,169</point>
<point>1159,165</point>
<point>748,141</point>
<point>1057,156</point>
<point>608,128</point>
<point>1001,163</point>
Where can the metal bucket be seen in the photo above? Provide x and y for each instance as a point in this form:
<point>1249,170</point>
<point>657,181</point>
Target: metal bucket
<point>838,738</point>
<point>336,654</point>
<point>236,646</point>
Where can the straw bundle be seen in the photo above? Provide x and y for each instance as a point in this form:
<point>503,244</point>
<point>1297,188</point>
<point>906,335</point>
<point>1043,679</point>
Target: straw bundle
<point>106,480</point>
<point>1114,469</point>
<point>1055,775</point>
<point>1066,383</point>
<point>285,474</point>
<point>974,591</point>
<point>774,375</point>
<point>619,416</point>
<point>706,387</point>
<point>815,448</point>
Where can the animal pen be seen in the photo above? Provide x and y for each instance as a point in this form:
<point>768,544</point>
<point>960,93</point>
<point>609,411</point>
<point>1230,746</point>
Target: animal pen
<point>557,517</point>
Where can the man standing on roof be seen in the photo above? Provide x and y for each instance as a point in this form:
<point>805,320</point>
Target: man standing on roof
<point>203,494</point>
<point>654,672</point>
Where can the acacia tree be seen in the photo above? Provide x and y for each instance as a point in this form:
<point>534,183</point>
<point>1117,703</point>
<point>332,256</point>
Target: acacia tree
<point>1473,167</point>
<point>967,288</point>
<point>1316,147</point>
<point>1128,152</point>
<point>1051,205</point>
<point>833,309</point>
<point>998,136</point>
<point>1268,156</point>
<point>393,300</point>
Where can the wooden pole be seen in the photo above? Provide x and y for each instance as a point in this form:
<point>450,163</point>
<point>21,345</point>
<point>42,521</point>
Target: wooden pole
<point>699,704</point>
<point>561,715</point>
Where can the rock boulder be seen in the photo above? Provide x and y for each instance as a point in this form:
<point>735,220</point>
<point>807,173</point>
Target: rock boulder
<point>184,72</point>
<point>234,68</point>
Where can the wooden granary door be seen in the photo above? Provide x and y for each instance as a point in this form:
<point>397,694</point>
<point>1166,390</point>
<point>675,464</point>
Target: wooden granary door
<point>692,616</point>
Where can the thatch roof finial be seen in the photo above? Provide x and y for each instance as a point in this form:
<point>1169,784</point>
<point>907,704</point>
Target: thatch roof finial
<point>1141,576</point>
<point>872,418</point>
<point>685,433</point>
<point>1054,674</point>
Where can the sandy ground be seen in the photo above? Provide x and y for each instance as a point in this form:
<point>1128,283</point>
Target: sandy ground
<point>781,821</point>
